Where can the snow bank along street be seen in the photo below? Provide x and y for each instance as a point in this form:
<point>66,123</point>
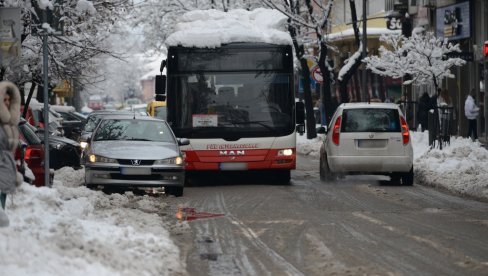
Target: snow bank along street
<point>461,167</point>
<point>71,230</point>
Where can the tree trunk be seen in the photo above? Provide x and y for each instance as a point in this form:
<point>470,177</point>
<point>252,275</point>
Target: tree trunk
<point>307,93</point>
<point>325,94</point>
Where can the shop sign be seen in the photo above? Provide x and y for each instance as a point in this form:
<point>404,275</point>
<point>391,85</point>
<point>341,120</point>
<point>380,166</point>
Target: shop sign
<point>453,22</point>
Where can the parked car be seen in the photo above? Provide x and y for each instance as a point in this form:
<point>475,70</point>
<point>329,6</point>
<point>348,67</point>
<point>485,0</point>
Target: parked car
<point>34,152</point>
<point>73,121</point>
<point>157,109</point>
<point>35,116</point>
<point>139,108</point>
<point>95,102</point>
<point>367,138</point>
<point>137,152</point>
<point>63,152</point>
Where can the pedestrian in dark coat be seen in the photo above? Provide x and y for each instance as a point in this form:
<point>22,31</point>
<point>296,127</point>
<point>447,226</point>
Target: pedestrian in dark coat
<point>423,111</point>
<point>9,141</point>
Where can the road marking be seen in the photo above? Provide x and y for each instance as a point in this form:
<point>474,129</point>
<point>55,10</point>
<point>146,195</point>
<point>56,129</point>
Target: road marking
<point>465,260</point>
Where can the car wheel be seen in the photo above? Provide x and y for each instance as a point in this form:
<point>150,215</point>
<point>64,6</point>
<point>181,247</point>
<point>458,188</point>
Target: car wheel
<point>90,186</point>
<point>407,178</point>
<point>177,191</point>
<point>325,173</point>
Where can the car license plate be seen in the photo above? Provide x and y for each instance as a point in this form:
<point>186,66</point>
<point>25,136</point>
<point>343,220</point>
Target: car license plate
<point>372,144</point>
<point>233,166</point>
<point>135,171</point>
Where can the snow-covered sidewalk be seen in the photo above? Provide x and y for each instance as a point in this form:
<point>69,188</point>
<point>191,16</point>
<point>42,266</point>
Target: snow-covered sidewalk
<point>461,167</point>
<point>71,230</point>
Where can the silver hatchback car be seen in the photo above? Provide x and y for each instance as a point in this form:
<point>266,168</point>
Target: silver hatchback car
<point>367,138</point>
<point>135,151</point>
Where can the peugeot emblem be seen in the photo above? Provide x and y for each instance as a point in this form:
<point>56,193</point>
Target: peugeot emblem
<point>371,135</point>
<point>136,162</point>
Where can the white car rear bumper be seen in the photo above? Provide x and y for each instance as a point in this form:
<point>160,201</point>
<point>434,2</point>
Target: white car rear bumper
<point>372,164</point>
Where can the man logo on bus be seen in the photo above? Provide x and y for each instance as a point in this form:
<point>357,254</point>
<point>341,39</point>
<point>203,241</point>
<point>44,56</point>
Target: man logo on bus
<point>232,152</point>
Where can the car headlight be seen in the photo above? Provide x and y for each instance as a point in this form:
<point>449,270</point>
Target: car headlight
<point>285,152</point>
<point>83,145</point>
<point>100,159</point>
<point>170,161</point>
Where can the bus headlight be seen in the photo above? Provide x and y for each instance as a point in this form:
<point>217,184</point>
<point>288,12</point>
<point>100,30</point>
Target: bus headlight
<point>285,152</point>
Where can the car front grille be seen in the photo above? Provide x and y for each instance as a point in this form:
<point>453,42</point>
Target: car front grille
<point>129,162</point>
<point>135,177</point>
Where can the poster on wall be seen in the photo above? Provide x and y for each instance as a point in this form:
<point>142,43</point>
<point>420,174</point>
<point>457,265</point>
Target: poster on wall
<point>10,32</point>
<point>453,22</point>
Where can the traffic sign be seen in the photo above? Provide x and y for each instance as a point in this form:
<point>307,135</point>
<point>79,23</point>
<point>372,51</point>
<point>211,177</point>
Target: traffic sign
<point>316,74</point>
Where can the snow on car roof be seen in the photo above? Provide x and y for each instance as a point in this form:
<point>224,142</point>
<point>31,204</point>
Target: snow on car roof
<point>212,28</point>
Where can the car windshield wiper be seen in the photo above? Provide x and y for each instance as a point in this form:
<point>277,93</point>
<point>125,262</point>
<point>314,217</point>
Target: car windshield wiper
<point>106,140</point>
<point>137,139</point>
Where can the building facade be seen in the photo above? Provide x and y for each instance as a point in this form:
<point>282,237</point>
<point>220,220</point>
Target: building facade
<point>463,21</point>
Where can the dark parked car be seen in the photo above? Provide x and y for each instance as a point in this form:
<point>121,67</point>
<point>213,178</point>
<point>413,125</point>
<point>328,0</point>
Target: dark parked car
<point>63,152</point>
<point>73,122</point>
<point>33,153</point>
<point>136,152</point>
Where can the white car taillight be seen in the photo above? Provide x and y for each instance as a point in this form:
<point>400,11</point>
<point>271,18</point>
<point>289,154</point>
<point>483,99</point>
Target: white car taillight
<point>405,132</point>
<point>336,131</point>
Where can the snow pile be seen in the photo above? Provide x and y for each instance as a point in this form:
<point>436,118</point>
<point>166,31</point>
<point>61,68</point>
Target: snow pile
<point>461,167</point>
<point>71,230</point>
<point>309,147</point>
<point>212,28</point>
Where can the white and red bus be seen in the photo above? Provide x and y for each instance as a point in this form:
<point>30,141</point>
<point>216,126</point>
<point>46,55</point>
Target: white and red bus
<point>236,105</point>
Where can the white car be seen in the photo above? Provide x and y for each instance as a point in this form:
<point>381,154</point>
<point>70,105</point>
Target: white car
<point>367,138</point>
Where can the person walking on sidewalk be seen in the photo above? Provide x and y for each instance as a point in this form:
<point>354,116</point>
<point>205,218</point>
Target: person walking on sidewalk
<point>423,111</point>
<point>9,141</point>
<point>471,111</point>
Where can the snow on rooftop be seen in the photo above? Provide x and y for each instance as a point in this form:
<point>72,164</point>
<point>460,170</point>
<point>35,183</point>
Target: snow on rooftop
<point>212,28</point>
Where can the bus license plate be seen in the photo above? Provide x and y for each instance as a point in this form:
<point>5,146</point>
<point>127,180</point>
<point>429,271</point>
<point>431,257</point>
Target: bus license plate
<point>235,166</point>
<point>135,171</point>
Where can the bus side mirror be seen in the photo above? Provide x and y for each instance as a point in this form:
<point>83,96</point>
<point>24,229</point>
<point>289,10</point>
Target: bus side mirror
<point>160,98</point>
<point>160,85</point>
<point>300,113</point>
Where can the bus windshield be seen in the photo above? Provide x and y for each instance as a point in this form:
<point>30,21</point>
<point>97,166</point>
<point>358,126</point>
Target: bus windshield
<point>244,104</point>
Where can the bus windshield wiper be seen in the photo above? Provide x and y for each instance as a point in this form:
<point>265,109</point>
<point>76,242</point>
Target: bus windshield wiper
<point>260,123</point>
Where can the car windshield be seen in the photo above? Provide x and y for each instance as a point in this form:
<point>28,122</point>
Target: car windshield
<point>370,120</point>
<point>135,130</point>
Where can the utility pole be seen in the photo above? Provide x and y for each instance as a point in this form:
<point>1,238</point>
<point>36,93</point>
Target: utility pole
<point>365,94</point>
<point>45,56</point>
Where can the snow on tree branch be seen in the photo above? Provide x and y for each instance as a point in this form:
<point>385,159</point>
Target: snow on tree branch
<point>423,57</point>
<point>350,62</point>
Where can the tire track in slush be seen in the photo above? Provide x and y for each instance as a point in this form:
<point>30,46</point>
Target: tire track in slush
<point>253,238</point>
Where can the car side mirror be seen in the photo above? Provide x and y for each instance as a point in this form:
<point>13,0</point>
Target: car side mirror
<point>183,142</point>
<point>322,130</point>
<point>160,98</point>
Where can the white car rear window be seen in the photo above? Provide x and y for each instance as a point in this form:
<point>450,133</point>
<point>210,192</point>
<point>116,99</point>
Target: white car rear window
<point>370,120</point>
